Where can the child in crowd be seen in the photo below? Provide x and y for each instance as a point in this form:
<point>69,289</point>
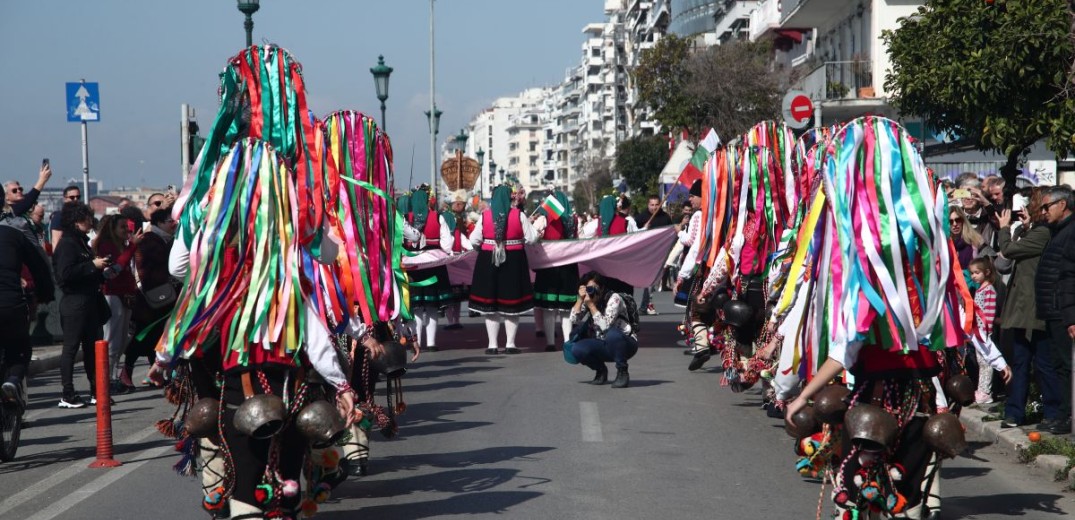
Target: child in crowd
<point>985,310</point>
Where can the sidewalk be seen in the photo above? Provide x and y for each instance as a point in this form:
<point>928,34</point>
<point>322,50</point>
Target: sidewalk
<point>1011,440</point>
<point>47,357</point>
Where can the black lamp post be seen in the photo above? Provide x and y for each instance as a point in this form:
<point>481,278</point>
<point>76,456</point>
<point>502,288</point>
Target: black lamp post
<point>481,174</point>
<point>380,80</point>
<point>249,7</point>
<point>434,129</point>
<point>492,171</point>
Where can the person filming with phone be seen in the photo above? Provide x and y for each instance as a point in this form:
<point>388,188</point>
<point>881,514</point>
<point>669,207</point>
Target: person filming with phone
<point>603,325</point>
<point>83,308</point>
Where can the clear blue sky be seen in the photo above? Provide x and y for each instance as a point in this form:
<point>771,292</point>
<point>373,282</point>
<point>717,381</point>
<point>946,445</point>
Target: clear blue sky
<point>151,56</point>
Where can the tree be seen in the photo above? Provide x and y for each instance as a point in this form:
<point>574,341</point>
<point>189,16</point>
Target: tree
<point>996,73</point>
<point>596,182</point>
<point>728,87</point>
<point>661,77</point>
<point>734,87</point>
<point>639,160</point>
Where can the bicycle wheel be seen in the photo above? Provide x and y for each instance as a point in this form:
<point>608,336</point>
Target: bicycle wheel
<point>10,427</point>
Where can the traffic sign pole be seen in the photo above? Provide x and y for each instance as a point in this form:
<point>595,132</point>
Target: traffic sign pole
<point>85,164</point>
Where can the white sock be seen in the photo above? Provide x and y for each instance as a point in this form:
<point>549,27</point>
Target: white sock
<point>539,319</point>
<point>550,327</point>
<point>431,329</point>
<point>565,324</point>
<point>452,313</point>
<point>420,325</point>
<point>511,327</point>
<point>492,329</point>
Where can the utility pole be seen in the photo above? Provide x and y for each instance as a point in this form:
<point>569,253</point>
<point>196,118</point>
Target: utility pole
<point>432,106</point>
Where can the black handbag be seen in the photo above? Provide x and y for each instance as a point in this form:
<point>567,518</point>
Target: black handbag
<point>160,297</point>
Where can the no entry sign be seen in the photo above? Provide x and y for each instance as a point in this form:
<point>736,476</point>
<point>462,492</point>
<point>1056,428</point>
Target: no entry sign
<point>797,109</point>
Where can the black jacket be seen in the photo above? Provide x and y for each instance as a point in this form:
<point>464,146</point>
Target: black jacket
<point>1054,283</point>
<point>72,261</point>
<point>15,252</point>
<point>660,219</point>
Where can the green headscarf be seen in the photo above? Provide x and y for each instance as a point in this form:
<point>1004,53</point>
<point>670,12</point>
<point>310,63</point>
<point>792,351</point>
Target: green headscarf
<point>403,204</point>
<point>500,205</point>
<point>420,207</point>
<point>607,210</point>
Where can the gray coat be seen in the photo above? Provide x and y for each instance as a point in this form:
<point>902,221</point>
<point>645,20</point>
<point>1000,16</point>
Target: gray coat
<point>1025,250</point>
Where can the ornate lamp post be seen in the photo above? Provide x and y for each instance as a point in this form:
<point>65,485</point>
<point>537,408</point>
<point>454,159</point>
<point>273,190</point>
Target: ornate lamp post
<point>434,130</point>
<point>249,7</point>
<point>380,80</point>
<point>481,174</point>
<point>492,172</point>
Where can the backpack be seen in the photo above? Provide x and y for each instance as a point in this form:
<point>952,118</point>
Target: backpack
<point>631,308</point>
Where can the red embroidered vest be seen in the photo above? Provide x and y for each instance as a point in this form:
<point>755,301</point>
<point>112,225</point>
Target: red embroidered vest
<point>513,236</point>
<point>554,230</point>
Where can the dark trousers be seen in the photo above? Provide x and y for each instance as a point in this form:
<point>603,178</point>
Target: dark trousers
<point>1035,352</point>
<point>1061,358</point>
<point>250,455</point>
<point>616,348</point>
<point>81,323</point>
<point>16,342</point>
<point>142,348</point>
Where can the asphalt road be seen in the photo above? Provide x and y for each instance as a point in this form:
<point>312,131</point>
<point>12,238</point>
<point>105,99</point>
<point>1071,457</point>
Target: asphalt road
<point>486,436</point>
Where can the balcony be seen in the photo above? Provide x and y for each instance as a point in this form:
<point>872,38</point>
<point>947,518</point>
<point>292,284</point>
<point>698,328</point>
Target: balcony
<point>731,17</point>
<point>814,13</point>
<point>840,80</point>
<point>765,20</point>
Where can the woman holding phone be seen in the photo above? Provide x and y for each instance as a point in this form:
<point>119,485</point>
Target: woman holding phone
<point>601,321</point>
<point>117,240</point>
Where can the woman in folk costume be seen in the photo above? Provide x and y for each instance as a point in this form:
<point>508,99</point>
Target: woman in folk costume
<point>556,288</point>
<point>501,288</point>
<point>430,288</point>
<point>249,245</point>
<point>460,227</point>
<point>698,318</point>
<point>887,305</point>
<point>613,222</point>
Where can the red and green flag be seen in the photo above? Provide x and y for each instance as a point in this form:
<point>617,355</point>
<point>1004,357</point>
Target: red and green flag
<point>692,171</point>
<point>552,207</point>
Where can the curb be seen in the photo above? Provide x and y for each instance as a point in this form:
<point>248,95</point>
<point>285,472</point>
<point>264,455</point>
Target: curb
<point>1010,441</point>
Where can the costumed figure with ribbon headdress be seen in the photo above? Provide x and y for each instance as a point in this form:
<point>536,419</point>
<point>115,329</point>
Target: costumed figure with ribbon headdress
<point>368,277</point>
<point>460,227</point>
<point>556,288</point>
<point>430,288</point>
<point>500,289</point>
<point>252,248</point>
<point>885,304</point>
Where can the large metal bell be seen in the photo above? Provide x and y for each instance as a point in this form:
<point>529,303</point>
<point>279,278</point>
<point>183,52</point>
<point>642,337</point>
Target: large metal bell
<point>320,423</point>
<point>394,361</point>
<point>806,423</point>
<point>960,389</point>
<point>830,404</point>
<point>944,433</point>
<point>871,426</point>
<point>261,416</point>
<point>201,419</point>
<point>738,313</point>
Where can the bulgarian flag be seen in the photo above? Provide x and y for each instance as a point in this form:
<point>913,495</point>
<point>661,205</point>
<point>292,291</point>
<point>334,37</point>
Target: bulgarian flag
<point>693,169</point>
<point>552,207</point>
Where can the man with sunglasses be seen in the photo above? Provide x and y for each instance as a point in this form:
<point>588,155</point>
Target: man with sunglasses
<point>156,202</point>
<point>21,200</point>
<point>71,194</point>
<point>1054,286</point>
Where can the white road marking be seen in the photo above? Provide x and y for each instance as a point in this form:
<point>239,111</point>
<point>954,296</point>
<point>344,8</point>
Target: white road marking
<point>76,467</point>
<point>96,485</point>
<point>591,422</point>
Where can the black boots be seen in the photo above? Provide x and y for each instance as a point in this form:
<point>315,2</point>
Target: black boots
<point>600,377</point>
<point>622,378</point>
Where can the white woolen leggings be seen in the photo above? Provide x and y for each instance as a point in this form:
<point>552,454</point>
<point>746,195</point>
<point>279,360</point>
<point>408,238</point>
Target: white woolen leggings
<point>550,318</point>
<point>426,326</point>
<point>492,329</point>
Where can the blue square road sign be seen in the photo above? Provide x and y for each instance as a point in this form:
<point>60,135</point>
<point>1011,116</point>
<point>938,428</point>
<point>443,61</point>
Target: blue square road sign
<point>83,102</point>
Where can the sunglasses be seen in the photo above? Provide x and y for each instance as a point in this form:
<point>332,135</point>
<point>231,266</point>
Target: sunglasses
<point>955,221</point>
<point>1045,207</point>
<point>73,197</point>
<point>17,189</point>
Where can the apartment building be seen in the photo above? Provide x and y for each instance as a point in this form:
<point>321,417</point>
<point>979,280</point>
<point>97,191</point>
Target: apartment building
<point>645,23</point>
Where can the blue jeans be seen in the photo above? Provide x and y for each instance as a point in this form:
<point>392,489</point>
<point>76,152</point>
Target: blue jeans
<point>1036,350</point>
<point>616,347</point>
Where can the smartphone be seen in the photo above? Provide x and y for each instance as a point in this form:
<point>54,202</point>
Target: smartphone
<point>44,162</point>
<point>1018,203</point>
<point>146,227</point>
<point>961,193</point>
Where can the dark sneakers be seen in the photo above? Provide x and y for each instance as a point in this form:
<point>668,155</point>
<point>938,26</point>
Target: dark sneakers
<point>431,348</point>
<point>13,394</point>
<point>1060,427</point>
<point>72,401</point>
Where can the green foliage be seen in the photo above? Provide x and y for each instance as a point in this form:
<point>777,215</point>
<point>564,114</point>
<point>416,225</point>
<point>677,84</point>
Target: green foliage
<point>661,76</point>
<point>1049,445</point>
<point>639,161</point>
<point>998,74</point>
<point>596,182</point>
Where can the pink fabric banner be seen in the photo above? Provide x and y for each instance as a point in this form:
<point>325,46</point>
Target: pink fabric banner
<point>635,258</point>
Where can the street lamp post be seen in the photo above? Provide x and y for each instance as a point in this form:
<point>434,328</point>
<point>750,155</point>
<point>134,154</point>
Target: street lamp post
<point>249,7</point>
<point>432,105</point>
<point>481,174</point>
<point>380,80</point>
<point>434,130</point>
<point>492,172</point>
